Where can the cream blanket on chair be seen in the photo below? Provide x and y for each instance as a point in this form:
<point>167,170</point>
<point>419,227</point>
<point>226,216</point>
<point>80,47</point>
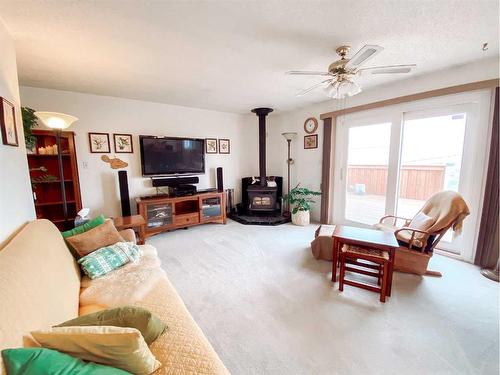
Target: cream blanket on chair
<point>447,208</point>
<point>126,285</point>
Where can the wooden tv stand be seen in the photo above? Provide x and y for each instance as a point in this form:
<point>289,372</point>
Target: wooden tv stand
<point>163,213</point>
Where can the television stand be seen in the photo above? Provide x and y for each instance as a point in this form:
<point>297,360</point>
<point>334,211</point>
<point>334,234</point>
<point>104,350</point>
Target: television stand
<point>167,213</point>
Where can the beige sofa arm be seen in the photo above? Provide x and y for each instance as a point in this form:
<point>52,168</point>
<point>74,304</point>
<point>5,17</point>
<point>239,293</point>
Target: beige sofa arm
<point>128,235</point>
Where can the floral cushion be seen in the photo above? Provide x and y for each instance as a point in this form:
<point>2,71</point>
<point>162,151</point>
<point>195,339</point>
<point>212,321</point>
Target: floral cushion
<point>108,258</point>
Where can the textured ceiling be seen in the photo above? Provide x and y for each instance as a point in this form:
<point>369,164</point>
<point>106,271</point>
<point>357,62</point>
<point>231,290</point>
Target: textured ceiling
<point>232,55</point>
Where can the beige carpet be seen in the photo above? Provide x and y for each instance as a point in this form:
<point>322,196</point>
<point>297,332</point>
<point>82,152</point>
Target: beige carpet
<point>268,307</point>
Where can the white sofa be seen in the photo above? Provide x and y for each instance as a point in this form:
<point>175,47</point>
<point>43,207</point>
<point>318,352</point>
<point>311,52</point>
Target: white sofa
<point>40,287</point>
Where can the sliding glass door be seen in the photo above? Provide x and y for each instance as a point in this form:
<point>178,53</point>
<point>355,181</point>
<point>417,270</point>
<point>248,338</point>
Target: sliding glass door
<point>364,167</point>
<point>391,161</point>
<point>367,164</point>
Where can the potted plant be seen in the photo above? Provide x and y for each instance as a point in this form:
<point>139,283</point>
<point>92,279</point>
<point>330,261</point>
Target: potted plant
<point>301,199</point>
<point>29,122</point>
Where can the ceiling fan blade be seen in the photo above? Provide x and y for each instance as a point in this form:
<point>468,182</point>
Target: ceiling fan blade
<point>308,73</point>
<point>303,92</point>
<point>363,55</point>
<point>390,69</point>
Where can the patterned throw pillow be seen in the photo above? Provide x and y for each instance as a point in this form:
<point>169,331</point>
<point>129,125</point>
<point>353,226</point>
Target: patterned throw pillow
<point>108,258</point>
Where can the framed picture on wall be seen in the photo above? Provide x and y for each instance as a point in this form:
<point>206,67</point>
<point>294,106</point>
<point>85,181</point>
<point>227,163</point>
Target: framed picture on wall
<point>123,143</point>
<point>211,145</point>
<point>8,123</point>
<point>224,146</point>
<point>311,141</point>
<point>99,143</point>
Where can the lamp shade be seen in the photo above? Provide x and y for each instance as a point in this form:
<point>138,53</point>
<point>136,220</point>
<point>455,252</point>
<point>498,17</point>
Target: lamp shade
<point>289,135</point>
<point>55,120</point>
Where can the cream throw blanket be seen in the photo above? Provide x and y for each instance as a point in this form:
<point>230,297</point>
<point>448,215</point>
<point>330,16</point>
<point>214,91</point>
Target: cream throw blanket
<point>125,285</point>
<point>447,208</point>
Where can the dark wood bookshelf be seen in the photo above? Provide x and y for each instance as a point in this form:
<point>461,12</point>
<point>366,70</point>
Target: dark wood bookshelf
<point>57,203</point>
<point>47,155</point>
<point>47,194</point>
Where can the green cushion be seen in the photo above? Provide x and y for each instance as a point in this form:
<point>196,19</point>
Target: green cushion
<point>109,258</point>
<point>41,361</point>
<point>150,326</point>
<point>84,227</point>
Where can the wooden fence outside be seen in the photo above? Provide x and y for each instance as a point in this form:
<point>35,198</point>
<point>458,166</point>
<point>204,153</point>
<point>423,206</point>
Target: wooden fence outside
<point>416,181</point>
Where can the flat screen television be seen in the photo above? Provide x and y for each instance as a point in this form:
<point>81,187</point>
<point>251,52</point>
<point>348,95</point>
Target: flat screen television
<point>172,156</point>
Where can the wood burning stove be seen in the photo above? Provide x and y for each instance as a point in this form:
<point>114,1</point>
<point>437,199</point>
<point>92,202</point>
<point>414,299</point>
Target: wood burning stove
<point>261,195</point>
<point>262,198</point>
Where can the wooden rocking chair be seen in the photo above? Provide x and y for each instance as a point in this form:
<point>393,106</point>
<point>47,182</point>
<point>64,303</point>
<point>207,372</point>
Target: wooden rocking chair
<point>419,236</point>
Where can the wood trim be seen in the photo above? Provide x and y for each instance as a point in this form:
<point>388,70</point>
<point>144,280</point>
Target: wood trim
<point>491,83</point>
<point>328,125</point>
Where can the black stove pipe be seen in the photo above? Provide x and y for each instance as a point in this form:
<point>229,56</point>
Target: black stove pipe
<point>262,113</point>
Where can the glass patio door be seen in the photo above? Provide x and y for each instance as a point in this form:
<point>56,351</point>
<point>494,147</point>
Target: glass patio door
<point>431,159</point>
<point>390,161</point>
<point>363,189</point>
<point>367,166</point>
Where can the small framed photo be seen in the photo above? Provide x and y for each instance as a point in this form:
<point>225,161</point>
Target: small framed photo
<point>224,146</point>
<point>211,145</point>
<point>123,143</point>
<point>8,123</point>
<point>311,141</point>
<point>99,143</point>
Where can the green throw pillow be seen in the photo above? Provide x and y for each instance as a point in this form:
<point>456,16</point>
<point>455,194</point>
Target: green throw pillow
<point>84,227</point>
<point>150,326</point>
<point>42,361</point>
<point>109,258</point>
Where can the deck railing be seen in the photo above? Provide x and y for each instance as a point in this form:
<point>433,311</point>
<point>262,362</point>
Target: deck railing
<point>416,181</point>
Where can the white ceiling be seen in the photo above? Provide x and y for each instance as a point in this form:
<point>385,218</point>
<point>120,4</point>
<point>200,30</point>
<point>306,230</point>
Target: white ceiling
<point>232,55</point>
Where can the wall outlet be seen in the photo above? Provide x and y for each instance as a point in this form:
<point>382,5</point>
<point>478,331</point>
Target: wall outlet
<point>85,165</point>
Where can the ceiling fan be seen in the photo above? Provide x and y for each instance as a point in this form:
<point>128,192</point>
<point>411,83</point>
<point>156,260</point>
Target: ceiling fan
<point>343,72</point>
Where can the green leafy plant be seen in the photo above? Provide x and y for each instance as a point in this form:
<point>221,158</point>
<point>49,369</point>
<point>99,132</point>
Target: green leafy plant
<point>29,122</point>
<point>300,198</point>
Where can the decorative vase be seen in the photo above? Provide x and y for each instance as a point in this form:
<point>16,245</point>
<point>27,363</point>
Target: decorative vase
<point>301,218</point>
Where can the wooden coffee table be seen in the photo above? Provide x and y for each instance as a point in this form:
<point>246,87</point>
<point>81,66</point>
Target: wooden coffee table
<point>366,238</point>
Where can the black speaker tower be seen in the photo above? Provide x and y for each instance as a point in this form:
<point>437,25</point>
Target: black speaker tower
<point>124,197</point>
<point>220,182</point>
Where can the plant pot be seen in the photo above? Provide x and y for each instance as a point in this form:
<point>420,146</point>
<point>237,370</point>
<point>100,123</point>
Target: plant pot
<point>301,218</point>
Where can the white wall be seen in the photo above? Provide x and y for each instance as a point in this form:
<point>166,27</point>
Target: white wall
<point>16,202</point>
<point>99,183</point>
<point>307,168</point>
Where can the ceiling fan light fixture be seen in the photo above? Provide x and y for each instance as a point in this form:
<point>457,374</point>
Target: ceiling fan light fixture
<point>341,89</point>
<point>343,72</point>
<point>331,90</point>
<point>354,89</point>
